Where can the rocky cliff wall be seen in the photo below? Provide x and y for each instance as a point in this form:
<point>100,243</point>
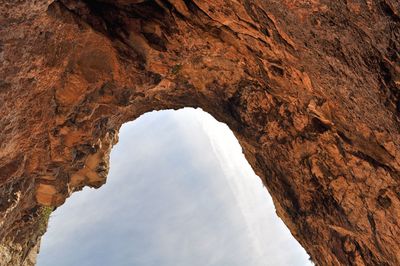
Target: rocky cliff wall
<point>309,88</point>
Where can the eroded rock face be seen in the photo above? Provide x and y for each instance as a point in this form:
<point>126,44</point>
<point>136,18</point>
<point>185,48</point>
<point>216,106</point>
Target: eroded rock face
<point>310,89</point>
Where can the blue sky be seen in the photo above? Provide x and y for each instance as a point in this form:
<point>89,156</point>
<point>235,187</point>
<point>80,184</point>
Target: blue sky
<point>179,193</point>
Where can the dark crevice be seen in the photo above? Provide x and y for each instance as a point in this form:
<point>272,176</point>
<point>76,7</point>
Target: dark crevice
<point>319,126</point>
<point>387,10</point>
<point>345,138</point>
<point>375,163</point>
<point>155,41</point>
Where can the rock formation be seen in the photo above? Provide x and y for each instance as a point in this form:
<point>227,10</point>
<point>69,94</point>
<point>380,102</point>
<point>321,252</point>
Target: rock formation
<point>311,89</point>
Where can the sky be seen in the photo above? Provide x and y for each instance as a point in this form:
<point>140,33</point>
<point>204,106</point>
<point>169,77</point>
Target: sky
<point>179,193</point>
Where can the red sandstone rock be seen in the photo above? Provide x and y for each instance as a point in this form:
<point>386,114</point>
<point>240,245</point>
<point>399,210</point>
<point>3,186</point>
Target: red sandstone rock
<point>310,89</point>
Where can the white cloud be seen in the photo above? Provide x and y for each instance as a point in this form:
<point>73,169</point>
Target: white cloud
<point>252,198</point>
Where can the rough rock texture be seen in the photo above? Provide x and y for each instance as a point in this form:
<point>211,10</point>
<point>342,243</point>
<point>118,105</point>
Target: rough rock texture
<point>311,89</point>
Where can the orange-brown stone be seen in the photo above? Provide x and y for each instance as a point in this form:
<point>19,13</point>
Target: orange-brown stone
<point>310,89</point>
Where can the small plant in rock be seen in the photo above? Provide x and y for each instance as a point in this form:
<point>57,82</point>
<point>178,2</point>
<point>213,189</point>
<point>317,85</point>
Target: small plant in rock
<point>44,214</point>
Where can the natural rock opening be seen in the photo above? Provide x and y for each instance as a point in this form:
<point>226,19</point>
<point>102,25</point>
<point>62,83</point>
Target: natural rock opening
<point>310,89</point>
<point>179,192</point>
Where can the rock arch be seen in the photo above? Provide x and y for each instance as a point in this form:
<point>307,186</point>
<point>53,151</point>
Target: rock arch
<point>310,90</point>
<point>164,153</point>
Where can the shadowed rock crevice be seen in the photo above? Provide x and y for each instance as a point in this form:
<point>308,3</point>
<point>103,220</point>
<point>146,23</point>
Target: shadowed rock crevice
<point>309,89</point>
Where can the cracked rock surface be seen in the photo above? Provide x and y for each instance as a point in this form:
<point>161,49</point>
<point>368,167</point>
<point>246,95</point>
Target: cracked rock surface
<point>311,89</point>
